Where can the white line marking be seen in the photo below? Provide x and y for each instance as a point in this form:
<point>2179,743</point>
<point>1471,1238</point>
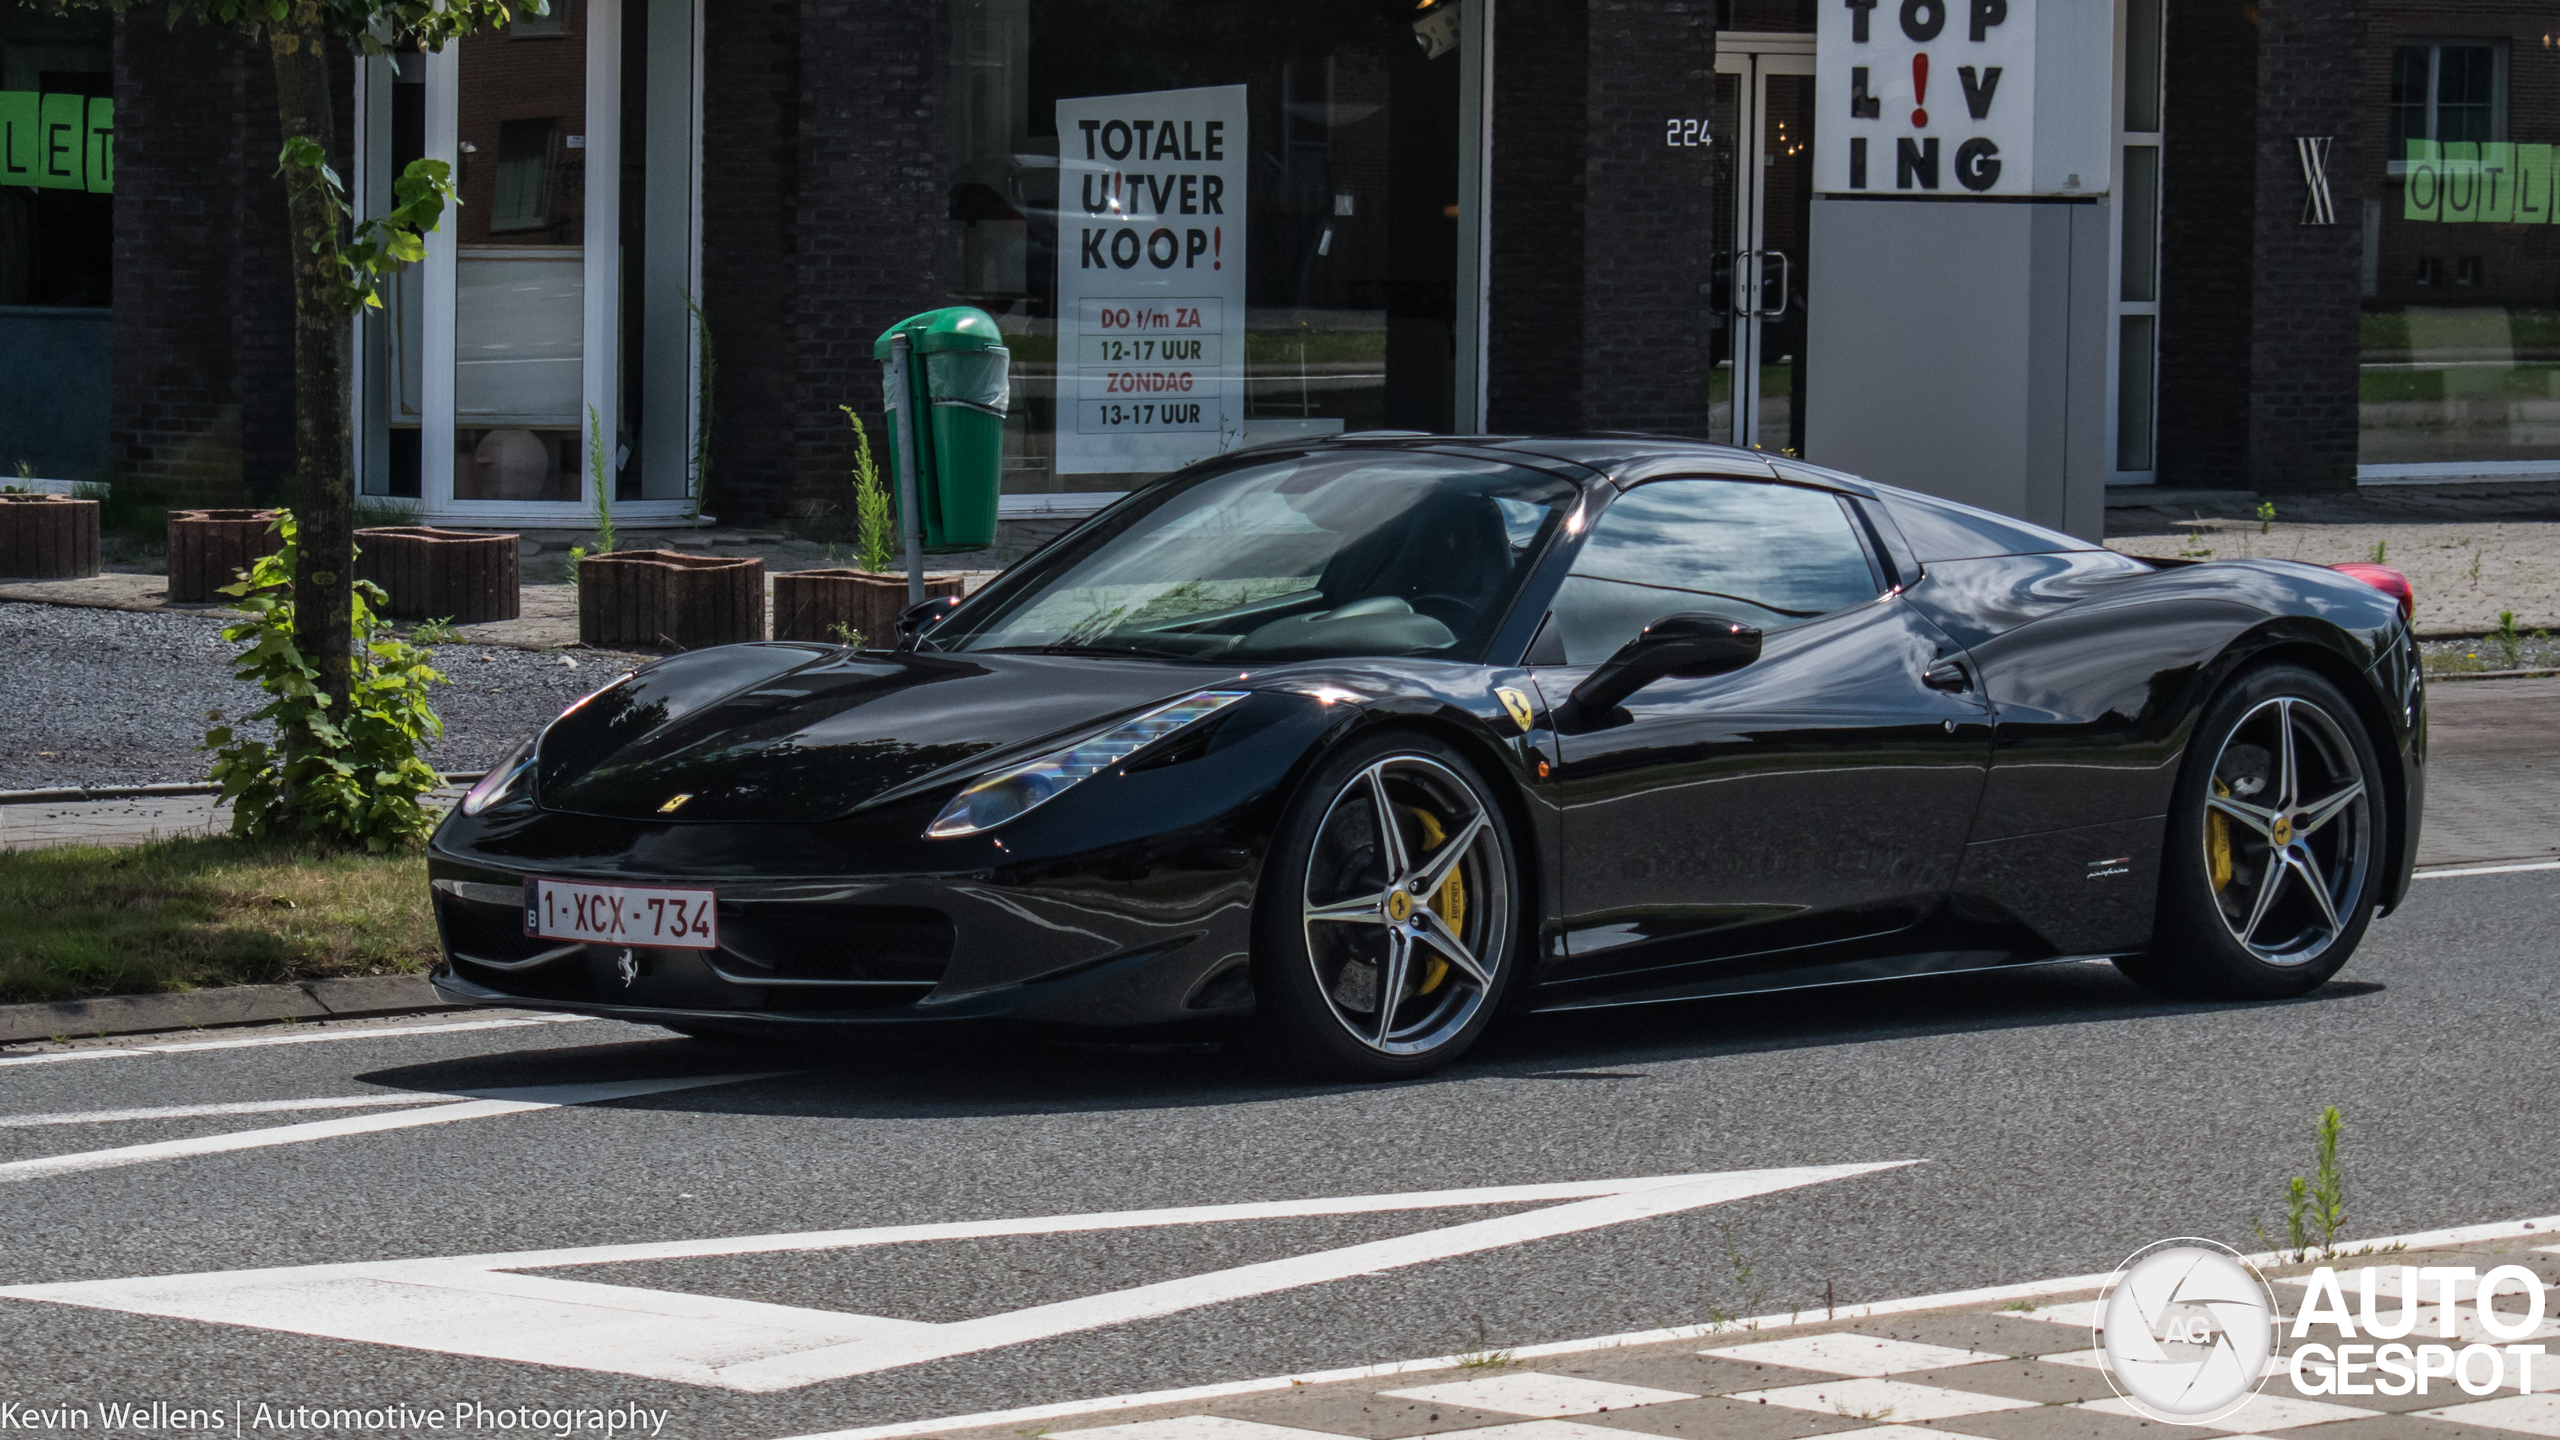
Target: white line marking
<point>2442,874</point>
<point>58,1056</point>
<point>1526,1392</point>
<point>2539,1227</point>
<point>477,1305</point>
<point>304,1038</point>
<point>512,1102</point>
<point>238,1107</point>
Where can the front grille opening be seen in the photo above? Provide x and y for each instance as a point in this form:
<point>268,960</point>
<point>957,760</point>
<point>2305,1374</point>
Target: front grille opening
<point>820,943</point>
<point>487,932</point>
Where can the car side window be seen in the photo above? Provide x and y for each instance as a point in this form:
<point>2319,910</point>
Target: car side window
<point>1767,555</point>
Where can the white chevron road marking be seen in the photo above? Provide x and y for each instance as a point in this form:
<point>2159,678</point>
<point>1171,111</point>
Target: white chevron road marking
<point>497,1102</point>
<point>476,1305</point>
<point>376,1100</point>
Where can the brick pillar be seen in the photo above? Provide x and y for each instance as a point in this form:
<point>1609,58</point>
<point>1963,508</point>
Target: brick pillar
<point>750,200</point>
<point>2258,312</point>
<point>2305,330</point>
<point>202,394</point>
<point>1602,235</point>
<point>184,98</point>
<point>874,171</point>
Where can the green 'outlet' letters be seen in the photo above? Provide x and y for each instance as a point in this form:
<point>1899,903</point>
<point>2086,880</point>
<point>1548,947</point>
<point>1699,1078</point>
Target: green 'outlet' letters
<point>57,142</point>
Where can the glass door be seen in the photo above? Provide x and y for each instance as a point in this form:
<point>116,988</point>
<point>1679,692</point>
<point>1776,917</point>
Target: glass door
<point>546,347</point>
<point>1764,161</point>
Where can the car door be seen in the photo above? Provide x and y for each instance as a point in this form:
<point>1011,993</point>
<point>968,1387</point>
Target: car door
<point>1820,793</point>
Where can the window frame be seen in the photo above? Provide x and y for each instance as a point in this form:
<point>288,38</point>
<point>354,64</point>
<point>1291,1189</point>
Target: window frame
<point>2435,46</point>
<point>1558,566</point>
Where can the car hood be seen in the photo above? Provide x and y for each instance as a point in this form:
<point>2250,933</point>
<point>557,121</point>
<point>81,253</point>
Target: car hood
<point>794,734</point>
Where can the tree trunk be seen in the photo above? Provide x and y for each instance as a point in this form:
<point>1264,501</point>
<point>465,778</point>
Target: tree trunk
<point>324,502</point>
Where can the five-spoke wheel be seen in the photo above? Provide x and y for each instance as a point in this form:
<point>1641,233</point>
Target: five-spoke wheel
<point>2274,837</point>
<point>1384,934</point>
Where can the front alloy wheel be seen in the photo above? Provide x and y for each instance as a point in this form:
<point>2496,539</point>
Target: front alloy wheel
<point>1397,875</point>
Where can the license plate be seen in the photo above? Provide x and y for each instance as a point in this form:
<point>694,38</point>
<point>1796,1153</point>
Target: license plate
<point>620,914</point>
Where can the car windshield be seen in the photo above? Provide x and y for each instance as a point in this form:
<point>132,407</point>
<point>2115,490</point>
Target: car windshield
<point>1329,554</point>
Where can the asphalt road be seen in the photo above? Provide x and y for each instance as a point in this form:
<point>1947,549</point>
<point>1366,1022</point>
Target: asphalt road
<point>2061,1120</point>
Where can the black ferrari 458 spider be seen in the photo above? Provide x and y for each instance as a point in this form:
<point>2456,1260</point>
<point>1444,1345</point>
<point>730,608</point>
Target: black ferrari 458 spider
<point>1354,745</point>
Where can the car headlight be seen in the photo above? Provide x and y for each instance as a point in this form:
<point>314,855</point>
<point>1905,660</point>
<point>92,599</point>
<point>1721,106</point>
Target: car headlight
<point>501,780</point>
<point>999,798</point>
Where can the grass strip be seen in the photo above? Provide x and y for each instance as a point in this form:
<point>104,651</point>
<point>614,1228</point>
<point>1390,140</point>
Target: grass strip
<point>78,921</point>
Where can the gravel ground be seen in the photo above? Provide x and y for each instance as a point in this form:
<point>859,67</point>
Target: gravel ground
<point>2533,650</point>
<point>112,697</point>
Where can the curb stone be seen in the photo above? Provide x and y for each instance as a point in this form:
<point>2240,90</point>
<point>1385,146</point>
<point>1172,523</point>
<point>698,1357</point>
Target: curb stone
<point>221,1006</point>
<point>82,794</point>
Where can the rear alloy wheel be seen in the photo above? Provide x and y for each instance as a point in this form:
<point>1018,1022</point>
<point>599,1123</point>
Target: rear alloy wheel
<point>1384,936</point>
<point>2270,874</point>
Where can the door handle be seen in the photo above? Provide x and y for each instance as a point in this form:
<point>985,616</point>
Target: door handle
<point>1947,675</point>
<point>1786,277</point>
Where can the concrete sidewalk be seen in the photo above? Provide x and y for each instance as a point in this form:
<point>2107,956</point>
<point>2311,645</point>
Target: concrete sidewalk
<point>2469,551</point>
<point>547,614</point>
<point>133,821</point>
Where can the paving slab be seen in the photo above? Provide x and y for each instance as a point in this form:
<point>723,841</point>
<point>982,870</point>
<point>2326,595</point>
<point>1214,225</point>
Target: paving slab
<point>1848,1376</point>
<point>2493,775</point>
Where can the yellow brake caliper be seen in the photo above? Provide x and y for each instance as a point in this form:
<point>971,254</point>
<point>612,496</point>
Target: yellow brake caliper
<point>1449,902</point>
<point>2217,838</point>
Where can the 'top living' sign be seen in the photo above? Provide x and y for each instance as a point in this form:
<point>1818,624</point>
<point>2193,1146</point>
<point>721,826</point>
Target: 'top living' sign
<point>1956,99</point>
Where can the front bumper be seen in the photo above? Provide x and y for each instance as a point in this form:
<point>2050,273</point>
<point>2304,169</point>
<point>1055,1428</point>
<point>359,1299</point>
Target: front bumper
<point>1124,905</point>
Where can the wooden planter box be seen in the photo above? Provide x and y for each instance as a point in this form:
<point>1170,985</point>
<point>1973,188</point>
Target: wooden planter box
<point>48,537</point>
<point>662,598</point>
<point>457,575</point>
<point>208,549</point>
<point>810,604</point>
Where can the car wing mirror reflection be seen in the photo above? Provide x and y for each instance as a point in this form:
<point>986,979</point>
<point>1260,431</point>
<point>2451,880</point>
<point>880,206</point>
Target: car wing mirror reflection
<point>1688,646</point>
<point>916,619</point>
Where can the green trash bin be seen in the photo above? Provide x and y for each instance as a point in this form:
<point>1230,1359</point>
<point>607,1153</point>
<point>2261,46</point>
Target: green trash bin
<point>961,373</point>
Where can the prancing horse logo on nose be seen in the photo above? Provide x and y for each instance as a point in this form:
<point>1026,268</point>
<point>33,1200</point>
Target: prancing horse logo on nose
<point>628,967</point>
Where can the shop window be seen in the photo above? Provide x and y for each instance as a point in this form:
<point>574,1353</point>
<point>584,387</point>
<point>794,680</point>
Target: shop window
<point>2461,335</point>
<point>57,239</point>
<point>524,175</point>
<point>56,200</point>
<point>1208,226</point>
<point>528,26</point>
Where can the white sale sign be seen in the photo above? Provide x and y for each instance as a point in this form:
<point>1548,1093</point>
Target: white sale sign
<point>1961,98</point>
<point>1151,312</point>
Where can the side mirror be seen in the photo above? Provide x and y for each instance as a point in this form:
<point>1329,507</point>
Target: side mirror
<point>916,619</point>
<point>1683,645</point>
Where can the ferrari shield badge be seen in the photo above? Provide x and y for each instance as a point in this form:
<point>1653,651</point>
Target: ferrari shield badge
<point>1522,713</point>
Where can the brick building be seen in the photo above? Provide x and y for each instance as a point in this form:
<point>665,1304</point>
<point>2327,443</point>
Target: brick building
<point>1495,214</point>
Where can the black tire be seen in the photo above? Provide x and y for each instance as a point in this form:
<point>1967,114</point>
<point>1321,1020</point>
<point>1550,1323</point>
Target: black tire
<point>1329,923</point>
<point>2222,931</point>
